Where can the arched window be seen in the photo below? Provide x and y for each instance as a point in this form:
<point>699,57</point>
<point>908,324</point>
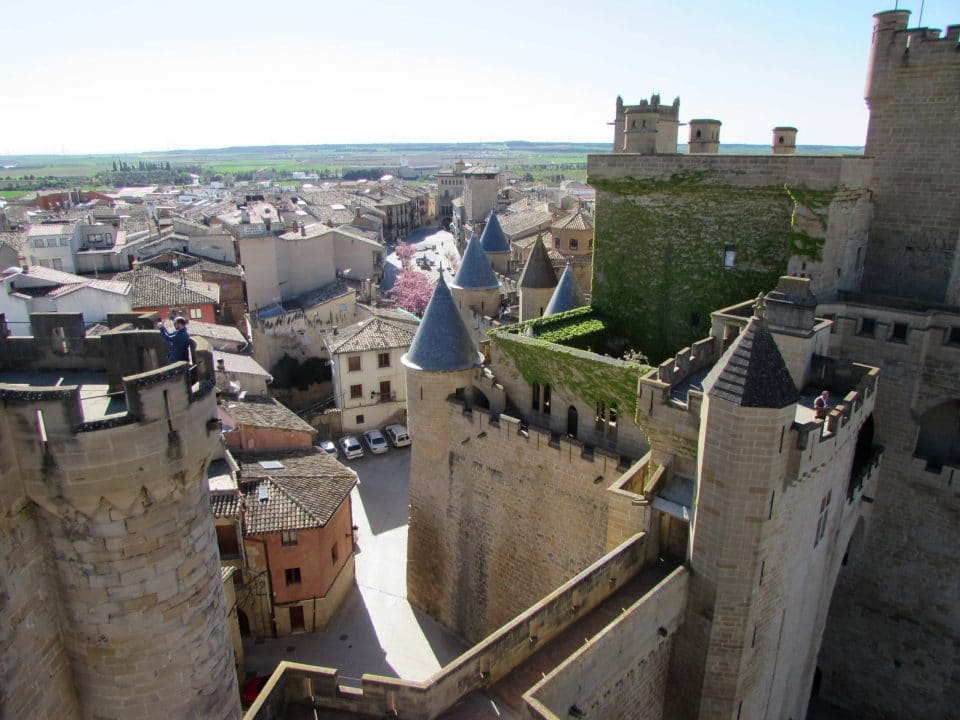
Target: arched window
<point>535,397</point>
<point>572,421</point>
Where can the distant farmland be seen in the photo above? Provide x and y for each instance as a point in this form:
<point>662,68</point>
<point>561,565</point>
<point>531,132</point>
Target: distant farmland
<point>533,160</point>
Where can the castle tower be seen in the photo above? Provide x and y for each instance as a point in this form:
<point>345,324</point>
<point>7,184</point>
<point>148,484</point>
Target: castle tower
<point>618,123</point>
<point>704,137</point>
<point>475,288</point>
<point>441,362</point>
<point>537,282</point>
<point>650,128</point>
<point>567,296</point>
<point>913,92</point>
<point>496,244</point>
<point>123,507</point>
<point>749,404</point>
<point>784,140</point>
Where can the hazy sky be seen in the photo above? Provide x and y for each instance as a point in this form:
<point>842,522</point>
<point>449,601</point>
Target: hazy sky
<point>80,78</point>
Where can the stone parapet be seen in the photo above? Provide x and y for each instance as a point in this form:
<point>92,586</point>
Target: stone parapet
<point>622,671</point>
<point>481,666</point>
<point>124,505</point>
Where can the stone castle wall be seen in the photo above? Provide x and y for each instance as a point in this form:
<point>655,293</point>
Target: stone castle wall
<point>122,504</point>
<point>666,223</point>
<point>621,672</point>
<point>37,680</point>
<point>520,513</point>
<point>890,648</point>
<point>913,91</point>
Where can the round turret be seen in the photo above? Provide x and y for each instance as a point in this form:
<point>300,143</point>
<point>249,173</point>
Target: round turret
<point>704,137</point>
<point>567,296</point>
<point>475,287</point>
<point>784,140</point>
<point>440,364</point>
<point>124,507</point>
<point>537,282</point>
<point>496,244</point>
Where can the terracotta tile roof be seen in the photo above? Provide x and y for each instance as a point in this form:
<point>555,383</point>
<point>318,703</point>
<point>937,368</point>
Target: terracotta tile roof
<point>225,505</point>
<point>375,334</point>
<point>193,265</point>
<point>155,288</point>
<point>577,221</point>
<point>263,412</point>
<point>522,219</point>
<point>215,332</point>
<point>303,489</point>
<point>15,240</point>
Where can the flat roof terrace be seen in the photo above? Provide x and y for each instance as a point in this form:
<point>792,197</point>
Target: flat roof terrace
<point>97,401</point>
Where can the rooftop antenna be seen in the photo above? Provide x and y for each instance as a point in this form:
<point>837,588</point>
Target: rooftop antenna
<point>920,19</point>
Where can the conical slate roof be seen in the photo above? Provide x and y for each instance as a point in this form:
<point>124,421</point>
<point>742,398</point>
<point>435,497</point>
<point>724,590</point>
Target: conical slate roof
<point>493,239</point>
<point>752,373</point>
<point>538,272</point>
<point>475,271</point>
<point>567,296</point>
<point>442,342</point>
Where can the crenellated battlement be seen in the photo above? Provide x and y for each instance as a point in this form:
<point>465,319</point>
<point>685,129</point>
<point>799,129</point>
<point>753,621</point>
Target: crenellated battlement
<point>690,360</point>
<point>168,429</point>
<point>817,439</point>
<point>115,483</point>
<point>501,429</point>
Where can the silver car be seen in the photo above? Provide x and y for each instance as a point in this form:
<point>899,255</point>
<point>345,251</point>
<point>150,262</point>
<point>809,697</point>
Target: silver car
<point>351,447</point>
<point>375,441</point>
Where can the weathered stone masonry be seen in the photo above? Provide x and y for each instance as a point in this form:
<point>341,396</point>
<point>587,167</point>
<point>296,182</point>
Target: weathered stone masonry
<point>134,579</point>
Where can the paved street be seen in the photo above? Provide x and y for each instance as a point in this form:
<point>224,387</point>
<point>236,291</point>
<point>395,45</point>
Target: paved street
<point>375,630</point>
<point>435,244</point>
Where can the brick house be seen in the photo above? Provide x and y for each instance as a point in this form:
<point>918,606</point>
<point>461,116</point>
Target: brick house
<point>227,276</point>
<point>283,515</point>
<point>157,291</point>
<point>259,423</point>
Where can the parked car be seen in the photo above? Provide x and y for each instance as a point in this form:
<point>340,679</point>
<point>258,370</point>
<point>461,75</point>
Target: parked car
<point>252,688</point>
<point>328,447</point>
<point>351,447</point>
<point>375,441</point>
<point>398,435</point>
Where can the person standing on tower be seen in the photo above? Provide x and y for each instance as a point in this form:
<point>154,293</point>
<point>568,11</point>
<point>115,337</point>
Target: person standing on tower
<point>178,340</point>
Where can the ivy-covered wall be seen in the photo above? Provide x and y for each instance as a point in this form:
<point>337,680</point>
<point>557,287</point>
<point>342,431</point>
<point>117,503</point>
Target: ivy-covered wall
<point>535,352</point>
<point>660,244</point>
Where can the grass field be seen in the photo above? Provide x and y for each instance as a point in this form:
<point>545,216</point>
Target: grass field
<point>544,161</point>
